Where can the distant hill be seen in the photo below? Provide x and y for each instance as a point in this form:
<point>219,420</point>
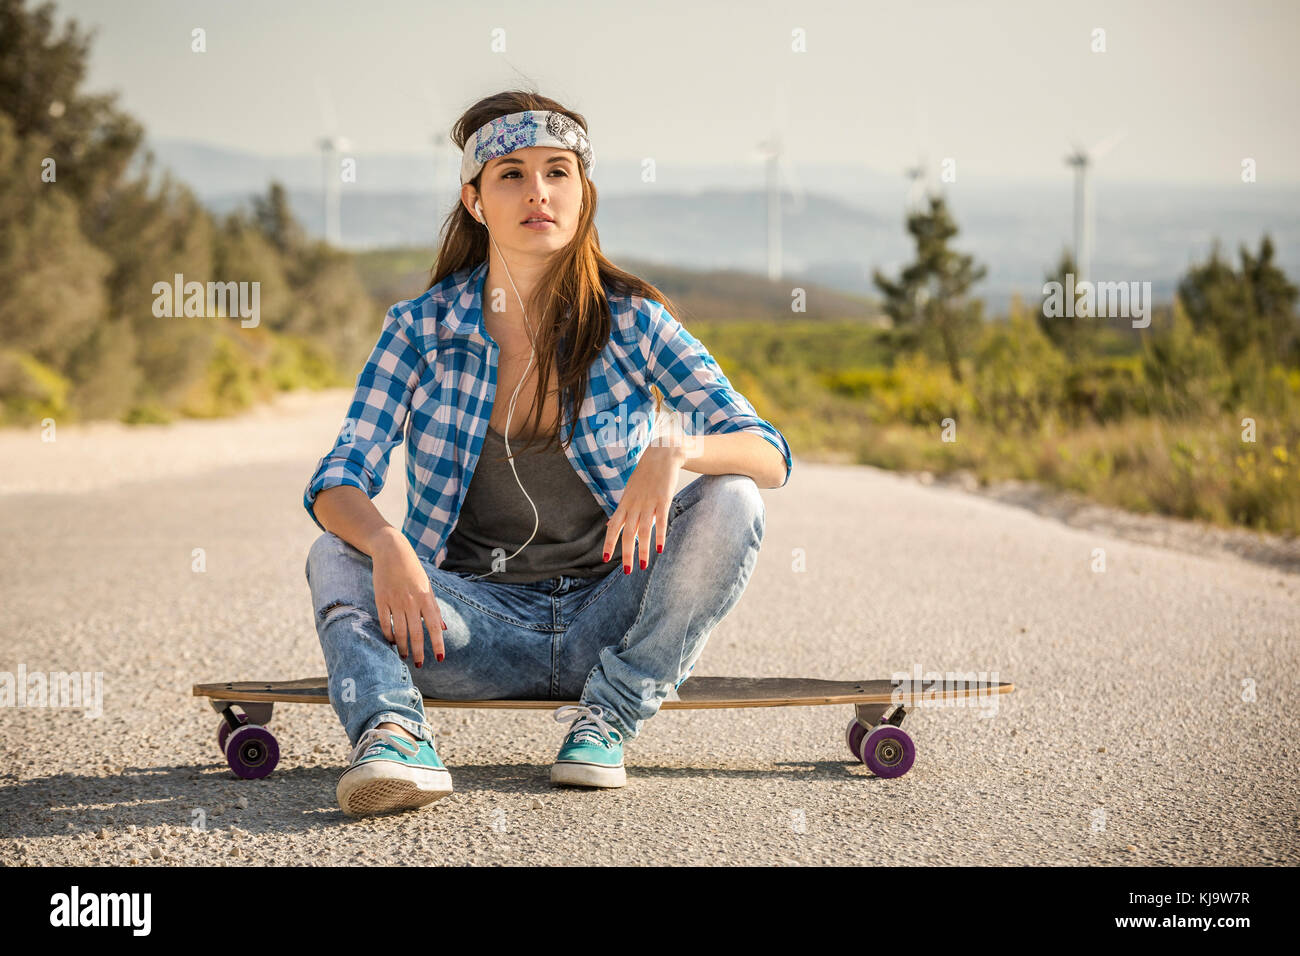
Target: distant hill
<point>849,222</point>
<point>391,275</point>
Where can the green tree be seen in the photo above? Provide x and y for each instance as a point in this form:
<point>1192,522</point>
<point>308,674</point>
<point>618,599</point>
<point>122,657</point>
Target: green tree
<point>91,141</point>
<point>51,275</point>
<point>930,295</point>
<point>1184,369</point>
<point>245,254</point>
<point>1019,375</point>
<point>1071,333</point>
<point>331,307</point>
<point>1253,308</point>
<point>275,219</point>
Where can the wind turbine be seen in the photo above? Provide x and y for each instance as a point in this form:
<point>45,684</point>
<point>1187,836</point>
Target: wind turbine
<point>1081,159</point>
<point>778,163</point>
<point>331,145</point>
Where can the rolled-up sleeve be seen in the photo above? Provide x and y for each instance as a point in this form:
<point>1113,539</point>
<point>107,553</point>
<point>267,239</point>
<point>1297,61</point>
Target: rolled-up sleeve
<point>694,385</point>
<point>376,417</point>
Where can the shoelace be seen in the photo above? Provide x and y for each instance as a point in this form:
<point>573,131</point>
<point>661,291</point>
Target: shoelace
<point>377,735</point>
<point>590,725</point>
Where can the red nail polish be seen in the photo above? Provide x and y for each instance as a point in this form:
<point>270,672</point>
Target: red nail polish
<point>420,664</point>
<point>660,549</point>
<point>627,569</point>
<point>606,557</point>
<point>643,563</point>
<point>444,625</point>
<point>440,658</point>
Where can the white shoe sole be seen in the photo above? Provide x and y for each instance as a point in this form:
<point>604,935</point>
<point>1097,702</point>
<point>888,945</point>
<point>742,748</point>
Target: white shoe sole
<point>587,775</point>
<point>382,785</point>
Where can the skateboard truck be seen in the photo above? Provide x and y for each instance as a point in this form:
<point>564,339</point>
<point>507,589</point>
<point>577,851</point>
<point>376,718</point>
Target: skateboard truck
<point>255,712</point>
<point>871,714</point>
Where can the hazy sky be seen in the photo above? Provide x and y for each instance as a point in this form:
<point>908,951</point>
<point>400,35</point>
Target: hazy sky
<point>1001,87</point>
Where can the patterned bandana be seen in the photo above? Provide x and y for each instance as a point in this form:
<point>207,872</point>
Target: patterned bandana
<point>519,131</point>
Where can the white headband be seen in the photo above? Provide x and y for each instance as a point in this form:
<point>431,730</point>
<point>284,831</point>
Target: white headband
<point>519,131</point>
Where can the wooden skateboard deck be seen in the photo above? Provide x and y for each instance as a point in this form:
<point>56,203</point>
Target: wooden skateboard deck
<point>697,692</point>
<point>873,735</point>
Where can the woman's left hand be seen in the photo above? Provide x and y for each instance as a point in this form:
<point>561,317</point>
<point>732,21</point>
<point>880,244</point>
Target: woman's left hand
<point>647,498</point>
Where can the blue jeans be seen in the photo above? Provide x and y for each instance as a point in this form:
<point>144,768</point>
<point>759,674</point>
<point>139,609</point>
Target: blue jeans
<point>622,641</point>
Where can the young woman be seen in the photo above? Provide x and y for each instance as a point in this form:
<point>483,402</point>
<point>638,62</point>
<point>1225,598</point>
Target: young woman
<point>508,557</point>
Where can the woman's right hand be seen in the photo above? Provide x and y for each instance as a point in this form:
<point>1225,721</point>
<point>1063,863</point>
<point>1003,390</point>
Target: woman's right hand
<point>402,590</point>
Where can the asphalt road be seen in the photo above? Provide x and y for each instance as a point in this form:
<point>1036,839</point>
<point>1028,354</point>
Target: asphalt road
<point>1154,720</point>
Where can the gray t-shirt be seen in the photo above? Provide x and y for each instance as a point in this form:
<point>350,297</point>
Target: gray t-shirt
<point>571,527</point>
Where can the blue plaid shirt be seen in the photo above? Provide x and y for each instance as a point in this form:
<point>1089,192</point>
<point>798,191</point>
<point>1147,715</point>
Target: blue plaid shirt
<point>435,367</point>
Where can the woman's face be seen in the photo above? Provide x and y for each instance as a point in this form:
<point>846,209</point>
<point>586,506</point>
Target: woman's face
<point>523,185</point>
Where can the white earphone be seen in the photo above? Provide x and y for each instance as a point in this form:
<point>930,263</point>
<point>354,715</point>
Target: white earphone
<point>478,208</point>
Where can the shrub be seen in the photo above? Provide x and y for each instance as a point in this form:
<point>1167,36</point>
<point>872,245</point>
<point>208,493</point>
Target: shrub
<point>1106,390</point>
<point>915,391</point>
<point>30,390</point>
<point>1019,376</point>
<point>1186,374</point>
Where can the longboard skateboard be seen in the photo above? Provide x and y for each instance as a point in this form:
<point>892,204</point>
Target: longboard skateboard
<point>873,734</point>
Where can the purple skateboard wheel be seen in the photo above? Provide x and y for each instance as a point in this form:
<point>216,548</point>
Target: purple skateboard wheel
<point>854,735</point>
<point>252,752</point>
<point>223,731</point>
<point>888,751</point>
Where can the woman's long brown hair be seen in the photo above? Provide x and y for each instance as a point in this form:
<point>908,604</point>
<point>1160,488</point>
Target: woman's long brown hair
<point>576,317</point>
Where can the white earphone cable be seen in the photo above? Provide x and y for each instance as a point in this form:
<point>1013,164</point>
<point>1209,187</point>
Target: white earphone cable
<point>537,520</point>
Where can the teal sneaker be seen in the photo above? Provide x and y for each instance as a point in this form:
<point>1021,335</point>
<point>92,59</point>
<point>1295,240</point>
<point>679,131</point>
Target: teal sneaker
<point>592,753</point>
<point>389,772</point>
